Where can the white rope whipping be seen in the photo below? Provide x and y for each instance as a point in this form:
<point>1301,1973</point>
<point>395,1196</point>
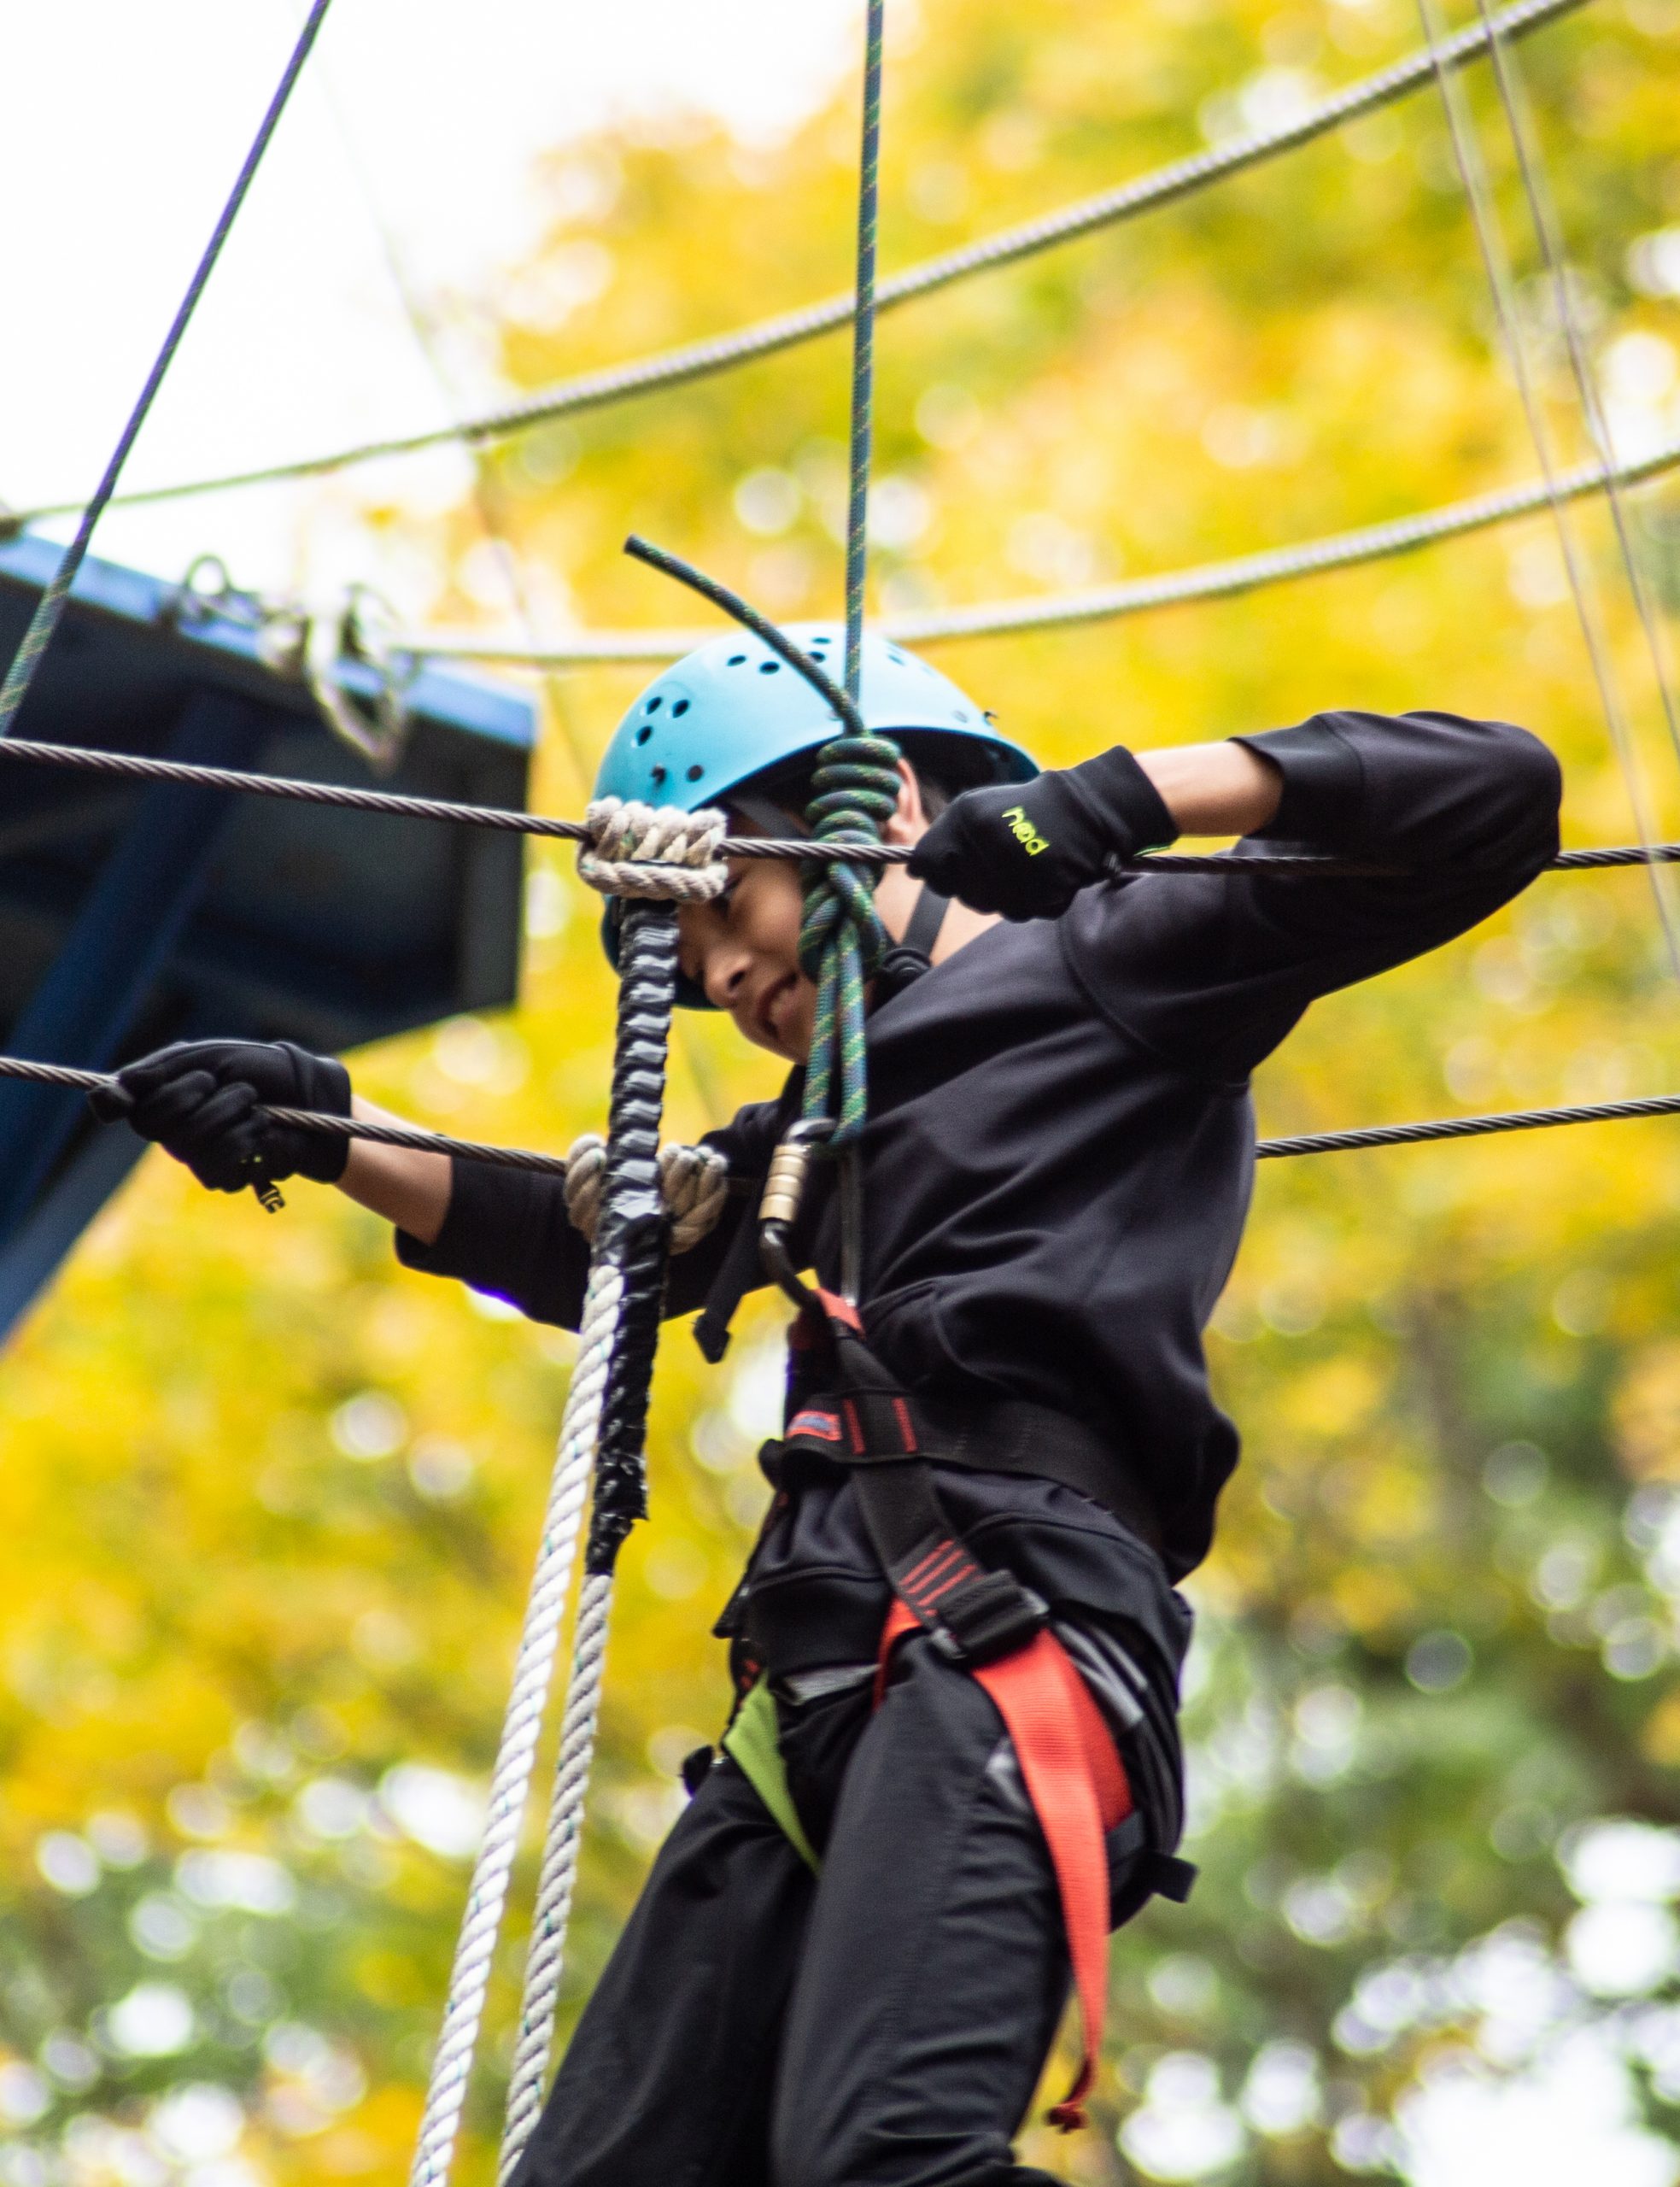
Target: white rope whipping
<point>695,1180</point>
<point>654,850</point>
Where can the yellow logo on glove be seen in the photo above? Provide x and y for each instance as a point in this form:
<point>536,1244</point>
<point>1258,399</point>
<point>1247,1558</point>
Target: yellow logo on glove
<point>1024,832</point>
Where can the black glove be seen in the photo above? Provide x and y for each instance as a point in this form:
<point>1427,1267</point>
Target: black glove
<point>1027,850</point>
<point>199,1101</point>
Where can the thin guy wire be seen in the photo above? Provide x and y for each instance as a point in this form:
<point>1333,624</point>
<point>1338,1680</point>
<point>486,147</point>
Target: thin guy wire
<point>132,766</point>
<point>49,608</point>
<point>1496,262</point>
<point>1139,595</point>
<point>695,361</point>
<point>1531,167</point>
<point>1660,1104</point>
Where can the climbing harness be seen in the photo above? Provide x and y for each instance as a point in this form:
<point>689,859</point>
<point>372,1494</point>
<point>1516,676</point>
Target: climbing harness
<point>1086,216</point>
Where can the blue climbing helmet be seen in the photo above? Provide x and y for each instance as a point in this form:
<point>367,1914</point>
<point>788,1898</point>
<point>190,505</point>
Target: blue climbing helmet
<point>734,709</point>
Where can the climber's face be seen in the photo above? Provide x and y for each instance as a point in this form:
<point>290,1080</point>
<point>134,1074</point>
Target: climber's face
<point>743,949</point>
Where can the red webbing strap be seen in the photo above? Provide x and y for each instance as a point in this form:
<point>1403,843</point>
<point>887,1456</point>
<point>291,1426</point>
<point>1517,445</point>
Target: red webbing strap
<point>1077,1784</point>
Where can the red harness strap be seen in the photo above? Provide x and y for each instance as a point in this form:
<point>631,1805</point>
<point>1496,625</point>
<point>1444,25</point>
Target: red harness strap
<point>1077,1784</point>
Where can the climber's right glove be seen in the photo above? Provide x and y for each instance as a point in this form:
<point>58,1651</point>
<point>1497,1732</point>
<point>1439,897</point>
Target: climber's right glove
<point>199,1101</point>
<point>1027,850</point>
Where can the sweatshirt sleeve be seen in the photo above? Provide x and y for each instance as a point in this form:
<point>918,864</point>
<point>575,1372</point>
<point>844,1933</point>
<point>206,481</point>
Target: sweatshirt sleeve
<point>1212,971</point>
<point>507,1232</point>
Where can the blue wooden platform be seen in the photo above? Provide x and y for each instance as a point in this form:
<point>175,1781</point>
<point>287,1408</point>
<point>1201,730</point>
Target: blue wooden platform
<point>133,916</point>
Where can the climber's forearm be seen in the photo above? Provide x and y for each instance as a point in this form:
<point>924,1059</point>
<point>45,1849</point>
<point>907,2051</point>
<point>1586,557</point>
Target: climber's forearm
<point>407,1187</point>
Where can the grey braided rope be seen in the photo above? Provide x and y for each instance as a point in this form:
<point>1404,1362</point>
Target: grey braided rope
<point>635,1233</point>
<point>522,1726</point>
<point>693,360</point>
<point>1223,580</point>
<point>49,608</point>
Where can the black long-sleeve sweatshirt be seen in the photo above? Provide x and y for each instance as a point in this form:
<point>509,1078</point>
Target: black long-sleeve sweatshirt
<point>1060,1151</point>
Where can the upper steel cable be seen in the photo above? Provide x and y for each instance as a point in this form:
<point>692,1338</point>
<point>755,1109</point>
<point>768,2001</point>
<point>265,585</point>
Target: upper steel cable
<point>132,766</point>
<point>49,607</point>
<point>693,360</point>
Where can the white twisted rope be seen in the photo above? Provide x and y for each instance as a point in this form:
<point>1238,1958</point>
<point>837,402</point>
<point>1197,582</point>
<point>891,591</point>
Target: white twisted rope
<point>510,1783</point>
<point>654,851</point>
<point>558,1877</point>
<point>695,1180</point>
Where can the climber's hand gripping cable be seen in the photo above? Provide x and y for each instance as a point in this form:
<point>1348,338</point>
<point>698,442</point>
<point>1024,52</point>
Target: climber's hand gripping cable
<point>199,1099</point>
<point>1026,849</point>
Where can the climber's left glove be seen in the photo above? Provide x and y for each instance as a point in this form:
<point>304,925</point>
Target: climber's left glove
<point>199,1101</point>
<point>1027,850</point>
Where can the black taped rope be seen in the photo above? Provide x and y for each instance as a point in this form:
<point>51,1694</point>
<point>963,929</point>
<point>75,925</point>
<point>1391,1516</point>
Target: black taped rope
<point>634,1232</point>
<point>49,608</point>
<point>131,766</point>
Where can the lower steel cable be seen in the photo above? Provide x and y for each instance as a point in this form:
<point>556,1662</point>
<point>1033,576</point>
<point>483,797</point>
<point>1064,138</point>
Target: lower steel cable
<point>1268,1149</point>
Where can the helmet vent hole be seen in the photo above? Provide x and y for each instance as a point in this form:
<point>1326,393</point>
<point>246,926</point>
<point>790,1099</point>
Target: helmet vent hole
<point>644,732</point>
<point>654,705</point>
<point>661,775</point>
<point>769,668</point>
<point>694,773</point>
<point>736,660</point>
<point>893,654</point>
<point>681,707</point>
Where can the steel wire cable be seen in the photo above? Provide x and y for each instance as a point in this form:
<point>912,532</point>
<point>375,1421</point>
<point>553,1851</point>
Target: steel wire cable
<point>1267,1149</point>
<point>1502,285</point>
<point>699,360</point>
<point>49,607</point>
<point>132,766</point>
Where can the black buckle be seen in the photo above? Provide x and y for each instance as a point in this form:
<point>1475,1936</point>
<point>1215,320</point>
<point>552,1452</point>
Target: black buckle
<point>990,1618</point>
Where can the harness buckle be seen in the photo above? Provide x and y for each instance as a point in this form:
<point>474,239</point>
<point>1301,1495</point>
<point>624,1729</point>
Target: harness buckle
<point>993,1617</point>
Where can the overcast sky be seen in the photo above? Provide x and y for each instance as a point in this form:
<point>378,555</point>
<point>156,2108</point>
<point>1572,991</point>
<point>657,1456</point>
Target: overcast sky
<point>122,124</point>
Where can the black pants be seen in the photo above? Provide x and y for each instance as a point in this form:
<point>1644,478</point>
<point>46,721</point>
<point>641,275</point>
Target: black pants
<point>883,2025</point>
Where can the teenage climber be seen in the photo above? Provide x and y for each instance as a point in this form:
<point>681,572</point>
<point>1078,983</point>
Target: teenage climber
<point>849,1961</point>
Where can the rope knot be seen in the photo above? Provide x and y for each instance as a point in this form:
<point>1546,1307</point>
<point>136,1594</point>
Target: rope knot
<point>694,1181</point>
<point>654,851</point>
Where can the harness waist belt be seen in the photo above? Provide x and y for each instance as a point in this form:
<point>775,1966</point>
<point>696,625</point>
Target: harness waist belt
<point>1004,1435</point>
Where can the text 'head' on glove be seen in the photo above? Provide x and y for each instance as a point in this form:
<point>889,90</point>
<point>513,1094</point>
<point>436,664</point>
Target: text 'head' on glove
<point>1027,850</point>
